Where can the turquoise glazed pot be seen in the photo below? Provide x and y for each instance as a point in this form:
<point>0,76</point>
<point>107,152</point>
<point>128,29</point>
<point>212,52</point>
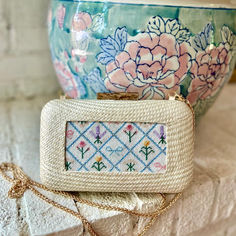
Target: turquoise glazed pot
<point>143,46</point>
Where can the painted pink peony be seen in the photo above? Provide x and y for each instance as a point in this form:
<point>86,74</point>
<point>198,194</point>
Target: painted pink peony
<point>151,65</point>
<point>61,12</point>
<point>208,72</point>
<point>66,79</point>
<point>81,21</point>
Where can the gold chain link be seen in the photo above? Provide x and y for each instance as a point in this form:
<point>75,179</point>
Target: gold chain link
<point>21,183</point>
<point>180,98</point>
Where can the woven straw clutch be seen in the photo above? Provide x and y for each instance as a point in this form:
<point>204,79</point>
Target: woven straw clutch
<point>117,146</point>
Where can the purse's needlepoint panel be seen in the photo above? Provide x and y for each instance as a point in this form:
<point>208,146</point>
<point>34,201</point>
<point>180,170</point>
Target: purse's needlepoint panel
<point>116,147</point>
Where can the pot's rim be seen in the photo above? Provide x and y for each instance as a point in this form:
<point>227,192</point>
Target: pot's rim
<point>212,4</point>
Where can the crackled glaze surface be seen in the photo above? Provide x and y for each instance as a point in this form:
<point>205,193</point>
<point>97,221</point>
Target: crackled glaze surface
<point>152,50</point>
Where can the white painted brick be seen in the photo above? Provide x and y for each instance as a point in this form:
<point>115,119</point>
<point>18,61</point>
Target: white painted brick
<point>8,208</point>
<point>3,37</point>
<point>25,122</point>
<point>13,221</point>
<point>8,90</point>
<point>226,101</point>
<point>26,66</point>
<point>166,219</point>
<point>116,199</point>
<point>28,13</point>
<point>4,124</point>
<point>1,9</point>
<point>165,223</point>
<point>4,34</point>
<point>226,199</point>
<point>196,205</point>
<point>29,87</point>
<point>27,75</point>
<point>109,222</point>
<point>28,40</point>
<point>222,228</point>
<point>25,119</point>
<point>76,231</point>
<point>231,231</point>
<point>43,218</point>
<point>116,223</point>
<point>215,149</point>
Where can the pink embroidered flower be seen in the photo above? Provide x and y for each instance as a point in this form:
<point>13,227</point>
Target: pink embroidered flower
<point>129,133</point>
<point>61,12</point>
<point>208,72</point>
<point>82,144</point>
<point>129,128</point>
<point>81,149</point>
<point>69,134</point>
<point>81,21</point>
<point>151,65</point>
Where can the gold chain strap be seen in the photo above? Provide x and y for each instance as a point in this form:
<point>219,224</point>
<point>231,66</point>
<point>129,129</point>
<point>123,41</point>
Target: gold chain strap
<point>180,98</point>
<point>21,183</point>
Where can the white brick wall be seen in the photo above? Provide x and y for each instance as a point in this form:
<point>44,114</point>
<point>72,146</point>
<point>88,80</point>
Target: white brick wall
<point>25,64</point>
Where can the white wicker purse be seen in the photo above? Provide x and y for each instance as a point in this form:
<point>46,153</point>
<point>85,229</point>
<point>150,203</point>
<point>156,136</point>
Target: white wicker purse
<point>117,146</point>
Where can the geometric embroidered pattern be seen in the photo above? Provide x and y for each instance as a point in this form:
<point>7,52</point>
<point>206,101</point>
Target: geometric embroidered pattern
<point>116,147</point>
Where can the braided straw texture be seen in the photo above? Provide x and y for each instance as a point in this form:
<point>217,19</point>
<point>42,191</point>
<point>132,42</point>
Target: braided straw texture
<point>176,115</point>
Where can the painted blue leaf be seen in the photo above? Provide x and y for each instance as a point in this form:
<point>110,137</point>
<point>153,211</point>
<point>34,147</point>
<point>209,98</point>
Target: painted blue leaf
<point>157,25</point>
<point>207,32</point>
<point>104,58</point>
<point>228,37</point>
<point>184,86</point>
<point>98,23</point>
<point>172,26</point>
<point>121,37</point>
<point>110,46</point>
<point>203,39</point>
<point>183,35</point>
<point>95,81</point>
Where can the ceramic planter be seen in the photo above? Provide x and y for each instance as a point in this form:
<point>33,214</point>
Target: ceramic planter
<point>143,46</point>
